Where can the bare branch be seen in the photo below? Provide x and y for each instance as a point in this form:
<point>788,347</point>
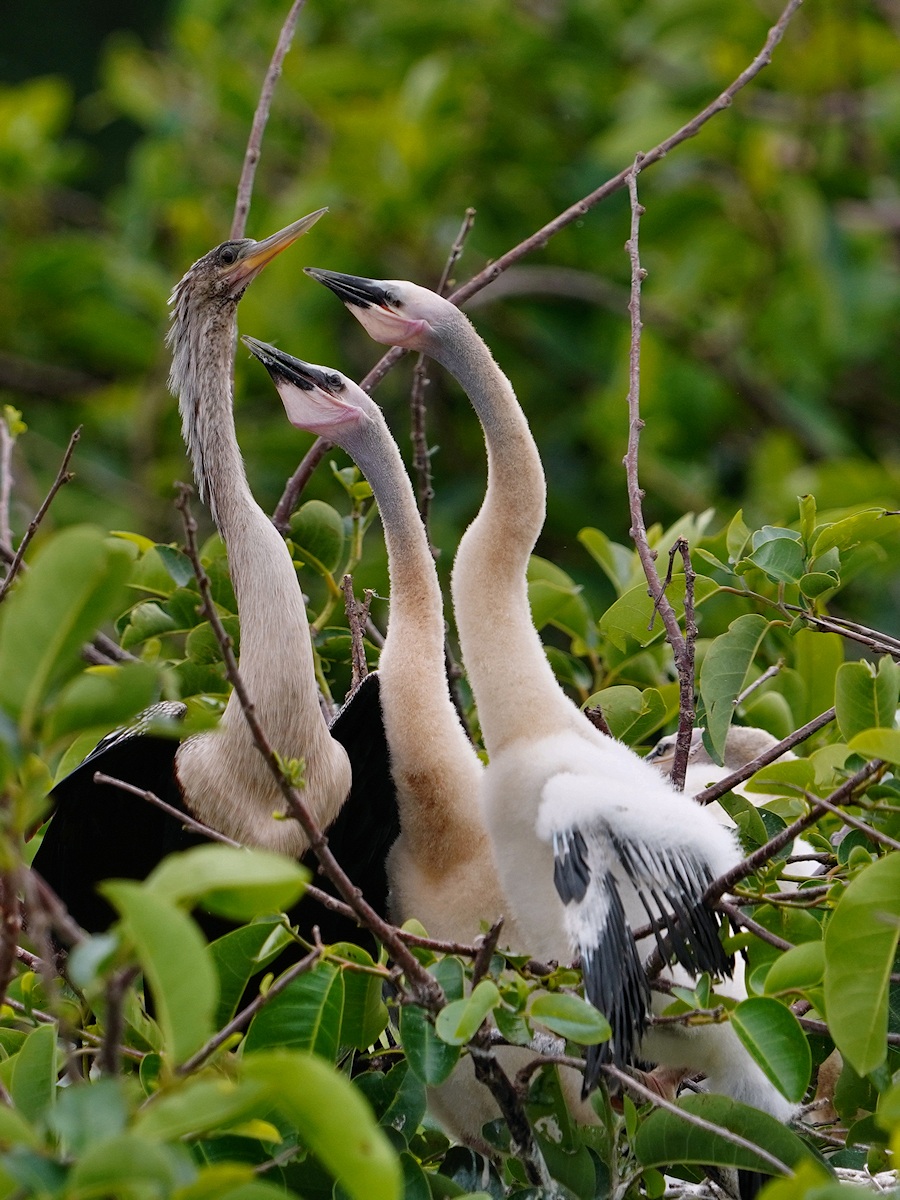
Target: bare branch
<point>708,795</point>
<point>357,616</point>
<point>10,926</point>
<point>281,515</point>
<point>260,117</point>
<point>427,989</point>
<point>738,918</point>
<point>843,795</point>
<point>682,644</point>
<point>63,476</point>
<point>486,952</point>
<point>109,1058</point>
<point>184,818</point>
<point>7,441</point>
<point>522,1142</point>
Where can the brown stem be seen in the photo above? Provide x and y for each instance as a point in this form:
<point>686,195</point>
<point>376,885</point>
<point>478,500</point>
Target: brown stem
<point>843,795</point>
<point>281,515</point>
<point>260,117</point>
<point>522,1143</point>
<point>738,918</point>
<point>10,926</point>
<point>109,1059</point>
<point>63,476</point>
<point>357,616</point>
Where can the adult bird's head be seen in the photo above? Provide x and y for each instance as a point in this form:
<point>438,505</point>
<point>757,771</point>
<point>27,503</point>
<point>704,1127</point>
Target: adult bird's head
<point>392,311</point>
<point>203,307</point>
<point>317,399</point>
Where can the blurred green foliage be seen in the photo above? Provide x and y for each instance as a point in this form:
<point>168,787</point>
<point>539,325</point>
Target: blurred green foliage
<point>770,309</point>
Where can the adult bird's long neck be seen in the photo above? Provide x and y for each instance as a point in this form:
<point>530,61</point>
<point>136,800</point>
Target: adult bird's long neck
<point>276,657</point>
<point>434,765</point>
<point>503,654</point>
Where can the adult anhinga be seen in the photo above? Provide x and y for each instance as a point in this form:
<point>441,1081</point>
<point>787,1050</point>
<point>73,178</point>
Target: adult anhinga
<point>590,841</point>
<point>219,776</point>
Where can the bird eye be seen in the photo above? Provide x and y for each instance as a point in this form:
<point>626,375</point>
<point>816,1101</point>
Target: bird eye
<point>228,255</point>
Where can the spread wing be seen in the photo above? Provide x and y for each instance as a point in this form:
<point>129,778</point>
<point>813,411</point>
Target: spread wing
<point>622,864</point>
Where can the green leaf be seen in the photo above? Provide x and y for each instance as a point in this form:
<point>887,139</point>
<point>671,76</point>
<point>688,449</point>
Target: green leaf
<point>33,1081</point>
<point>365,1014</point>
<point>429,1058</point>
<point>877,743</point>
<point>860,944</point>
<point>15,1130</point>
<point>305,1016</point>
<point>724,670</point>
<point>89,1113</point>
<point>129,1167</point>
<point>235,883</point>
<point>664,1138</point>
<point>774,1040</point>
<point>621,707</point>
<point>629,616</point>
<point>175,960</point>
<point>817,657</point>
<point>241,954</point>
<point>616,561</point>
<point>851,530</point>
<point>780,558</point>
<point>199,1105</point>
<point>317,530</point>
<point>556,599</point>
<point>793,774</point>
<point>333,1120</point>
<point>864,698</point>
<point>737,537</point>
<point>570,1017</point>
<point>76,583</point>
<point>460,1019</point>
<point>798,968</point>
<point>103,697</point>
<point>818,583</point>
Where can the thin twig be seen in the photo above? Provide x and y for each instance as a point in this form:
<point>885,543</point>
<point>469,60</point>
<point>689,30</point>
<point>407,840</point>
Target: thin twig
<point>879,643</point>
<point>63,476</point>
<point>357,616</point>
<point>843,795</point>
<point>260,117</point>
<point>110,1056</point>
<point>281,515</point>
<point>854,822</point>
<point>428,991</point>
<point>10,926</point>
<point>522,1141</point>
<point>769,673</point>
<point>56,912</point>
<point>738,918</point>
<point>183,818</point>
<point>485,953</point>
<point>644,1093</point>
<point>7,441</point>
<point>242,1019</point>
<point>655,586</point>
<point>708,795</point>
